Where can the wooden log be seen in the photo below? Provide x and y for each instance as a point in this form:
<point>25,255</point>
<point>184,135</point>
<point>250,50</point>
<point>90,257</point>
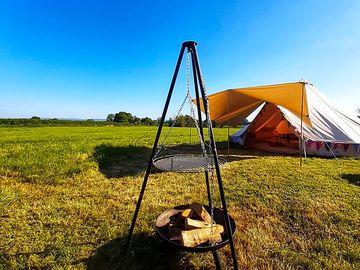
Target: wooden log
<point>196,237</point>
<point>201,212</point>
<point>195,224</point>
<point>180,222</point>
<point>215,238</point>
<point>187,213</point>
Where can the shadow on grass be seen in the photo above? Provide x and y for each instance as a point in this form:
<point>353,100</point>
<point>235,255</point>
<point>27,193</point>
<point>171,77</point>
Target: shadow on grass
<point>146,252</point>
<point>116,161</point>
<point>352,178</point>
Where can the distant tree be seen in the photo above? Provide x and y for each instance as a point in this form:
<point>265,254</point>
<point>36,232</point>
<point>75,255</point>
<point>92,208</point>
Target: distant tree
<point>157,121</point>
<point>184,121</point>
<point>123,117</point>
<point>190,122</point>
<point>147,121</point>
<point>180,121</point>
<point>110,117</point>
<point>35,118</point>
<point>170,122</point>
<point>136,120</point>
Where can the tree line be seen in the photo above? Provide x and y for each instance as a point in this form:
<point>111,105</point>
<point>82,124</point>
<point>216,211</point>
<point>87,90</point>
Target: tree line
<point>126,118</point>
<point>35,121</point>
<point>118,119</point>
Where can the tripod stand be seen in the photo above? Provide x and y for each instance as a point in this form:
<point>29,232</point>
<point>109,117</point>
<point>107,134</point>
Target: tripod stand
<point>198,81</point>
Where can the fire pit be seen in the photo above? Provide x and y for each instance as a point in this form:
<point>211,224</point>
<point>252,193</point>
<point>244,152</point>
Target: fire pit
<point>162,229</point>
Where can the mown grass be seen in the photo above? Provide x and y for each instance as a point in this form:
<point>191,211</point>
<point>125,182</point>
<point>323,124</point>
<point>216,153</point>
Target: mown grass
<point>67,196</point>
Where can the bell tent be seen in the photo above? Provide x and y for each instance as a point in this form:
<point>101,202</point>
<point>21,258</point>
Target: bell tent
<point>295,116</point>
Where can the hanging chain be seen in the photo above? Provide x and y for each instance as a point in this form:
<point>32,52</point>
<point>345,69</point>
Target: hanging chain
<point>188,73</point>
<point>212,192</point>
<point>207,110</point>
<point>170,128</point>
<point>188,88</point>
<point>211,165</point>
<point>202,142</point>
<point>187,98</point>
<point>191,104</point>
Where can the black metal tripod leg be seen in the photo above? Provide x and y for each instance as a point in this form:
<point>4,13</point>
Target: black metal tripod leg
<point>217,260</point>
<point>136,213</point>
<point>154,148</point>
<point>229,230</point>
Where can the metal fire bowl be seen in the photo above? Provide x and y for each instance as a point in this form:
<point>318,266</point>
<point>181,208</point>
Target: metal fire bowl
<point>163,232</point>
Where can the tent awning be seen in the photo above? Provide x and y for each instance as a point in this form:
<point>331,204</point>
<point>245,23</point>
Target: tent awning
<point>234,105</point>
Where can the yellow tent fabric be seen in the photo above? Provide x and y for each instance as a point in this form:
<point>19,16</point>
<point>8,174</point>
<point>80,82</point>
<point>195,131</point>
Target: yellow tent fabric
<point>234,105</point>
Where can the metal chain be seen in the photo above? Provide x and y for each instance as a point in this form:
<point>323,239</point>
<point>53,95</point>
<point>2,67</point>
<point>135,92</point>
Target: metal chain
<point>191,104</point>
<point>207,109</point>
<point>188,73</point>
<point>188,87</point>
<point>212,188</point>
<point>202,143</point>
<point>212,192</point>
<point>186,99</point>
<point>167,134</point>
<point>212,167</point>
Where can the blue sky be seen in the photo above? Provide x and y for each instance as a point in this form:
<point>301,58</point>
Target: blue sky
<point>86,59</point>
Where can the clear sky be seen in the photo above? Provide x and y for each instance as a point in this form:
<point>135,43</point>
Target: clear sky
<point>86,59</point>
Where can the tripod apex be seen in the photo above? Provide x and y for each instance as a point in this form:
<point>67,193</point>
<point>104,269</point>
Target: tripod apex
<point>189,43</point>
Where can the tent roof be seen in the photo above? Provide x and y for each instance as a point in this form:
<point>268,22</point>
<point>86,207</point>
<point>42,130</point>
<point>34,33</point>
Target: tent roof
<point>328,122</point>
<point>232,106</point>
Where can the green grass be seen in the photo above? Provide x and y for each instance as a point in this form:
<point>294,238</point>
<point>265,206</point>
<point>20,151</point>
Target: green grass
<point>67,196</point>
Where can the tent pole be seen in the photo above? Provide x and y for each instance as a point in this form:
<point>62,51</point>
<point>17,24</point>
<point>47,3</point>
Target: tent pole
<point>301,123</point>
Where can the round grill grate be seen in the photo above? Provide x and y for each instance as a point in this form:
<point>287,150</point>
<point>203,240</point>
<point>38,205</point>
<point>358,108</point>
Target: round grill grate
<point>185,163</point>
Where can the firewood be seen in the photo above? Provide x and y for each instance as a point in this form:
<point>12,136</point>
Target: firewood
<point>201,212</point>
<point>187,213</point>
<point>195,224</point>
<point>216,228</point>
<point>215,238</point>
<point>196,237</point>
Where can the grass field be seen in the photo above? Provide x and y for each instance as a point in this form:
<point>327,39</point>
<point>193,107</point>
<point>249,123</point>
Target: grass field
<point>67,196</point>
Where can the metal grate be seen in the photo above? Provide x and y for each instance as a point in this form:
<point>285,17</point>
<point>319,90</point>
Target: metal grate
<point>185,163</point>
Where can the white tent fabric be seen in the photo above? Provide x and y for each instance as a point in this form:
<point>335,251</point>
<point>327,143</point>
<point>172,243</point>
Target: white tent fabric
<point>329,124</point>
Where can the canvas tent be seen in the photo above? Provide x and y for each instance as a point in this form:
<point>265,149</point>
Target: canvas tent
<point>291,113</point>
